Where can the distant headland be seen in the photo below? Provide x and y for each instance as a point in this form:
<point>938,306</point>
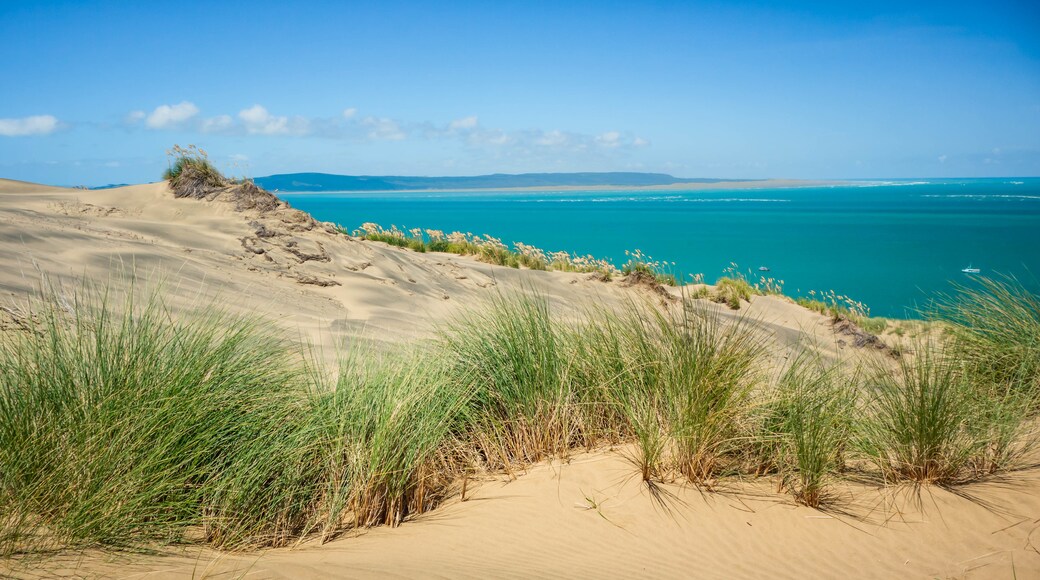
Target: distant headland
<point>326,182</point>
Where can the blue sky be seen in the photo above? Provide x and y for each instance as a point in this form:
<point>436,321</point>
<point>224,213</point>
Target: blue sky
<point>95,93</point>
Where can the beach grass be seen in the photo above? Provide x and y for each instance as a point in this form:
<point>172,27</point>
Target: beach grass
<point>120,425</point>
<point>807,425</point>
<point>384,428</point>
<point>126,425</point>
<point>515,358</point>
<point>995,328</point>
<point>937,420</point>
<point>680,382</point>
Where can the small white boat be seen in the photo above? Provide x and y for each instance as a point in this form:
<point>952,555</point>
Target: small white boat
<point>763,269</point>
<point>970,270</point>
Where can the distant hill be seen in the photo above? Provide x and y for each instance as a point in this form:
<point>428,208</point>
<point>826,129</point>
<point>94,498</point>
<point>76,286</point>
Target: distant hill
<point>310,182</point>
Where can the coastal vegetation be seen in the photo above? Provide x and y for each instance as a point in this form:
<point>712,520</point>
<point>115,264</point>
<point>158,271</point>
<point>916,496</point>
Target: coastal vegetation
<point>841,307</point>
<point>493,251</point>
<point>190,172</point>
<point>125,425</point>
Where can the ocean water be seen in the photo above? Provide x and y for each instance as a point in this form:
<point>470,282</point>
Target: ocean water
<point>889,244</point>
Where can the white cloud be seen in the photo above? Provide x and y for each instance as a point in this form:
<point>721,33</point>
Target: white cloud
<point>34,125</point>
<point>165,116</point>
<point>349,113</point>
<point>640,142</point>
<point>113,164</point>
<point>463,124</point>
<point>942,158</point>
<point>135,117</point>
<point>217,124</point>
<point>238,157</point>
<point>383,129</point>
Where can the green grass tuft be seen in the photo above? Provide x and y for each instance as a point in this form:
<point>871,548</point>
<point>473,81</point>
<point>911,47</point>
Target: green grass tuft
<point>808,426</point>
<point>191,174</point>
<point>120,426</point>
<point>996,330</point>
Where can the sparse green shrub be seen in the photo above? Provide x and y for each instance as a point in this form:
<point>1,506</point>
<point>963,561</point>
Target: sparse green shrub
<point>839,307</point>
<point>730,291</point>
<point>485,248</point>
<point>681,381</point>
<point>191,174</point>
<point>915,426</point>
<point>709,374</point>
<point>385,429</point>
<point>640,264</point>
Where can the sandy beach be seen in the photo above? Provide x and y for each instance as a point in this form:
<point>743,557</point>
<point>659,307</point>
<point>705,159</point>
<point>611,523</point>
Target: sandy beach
<point>589,515</point>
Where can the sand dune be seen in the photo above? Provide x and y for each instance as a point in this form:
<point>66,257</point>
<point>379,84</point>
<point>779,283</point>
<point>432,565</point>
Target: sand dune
<point>255,261</point>
<point>281,263</point>
<point>589,517</point>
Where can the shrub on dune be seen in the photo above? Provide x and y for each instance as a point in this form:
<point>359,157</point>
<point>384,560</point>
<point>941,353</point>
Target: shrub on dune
<point>191,174</point>
<point>710,373</point>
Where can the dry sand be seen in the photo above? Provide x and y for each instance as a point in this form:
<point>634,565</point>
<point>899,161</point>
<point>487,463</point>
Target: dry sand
<point>590,517</point>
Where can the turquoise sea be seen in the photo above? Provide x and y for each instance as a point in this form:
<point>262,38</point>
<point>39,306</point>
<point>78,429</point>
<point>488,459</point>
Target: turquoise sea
<point>890,244</point>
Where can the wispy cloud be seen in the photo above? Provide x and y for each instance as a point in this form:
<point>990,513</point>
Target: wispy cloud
<point>383,129</point>
<point>257,120</point>
<point>218,124</point>
<point>473,133</point>
<point>34,125</point>
<point>465,123</point>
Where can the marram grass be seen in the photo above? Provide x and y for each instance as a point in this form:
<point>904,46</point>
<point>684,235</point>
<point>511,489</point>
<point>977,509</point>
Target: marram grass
<point>931,421</point>
<point>516,359</point>
<point>995,329</point>
<point>807,424</point>
<point>121,426</point>
<point>125,425</point>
